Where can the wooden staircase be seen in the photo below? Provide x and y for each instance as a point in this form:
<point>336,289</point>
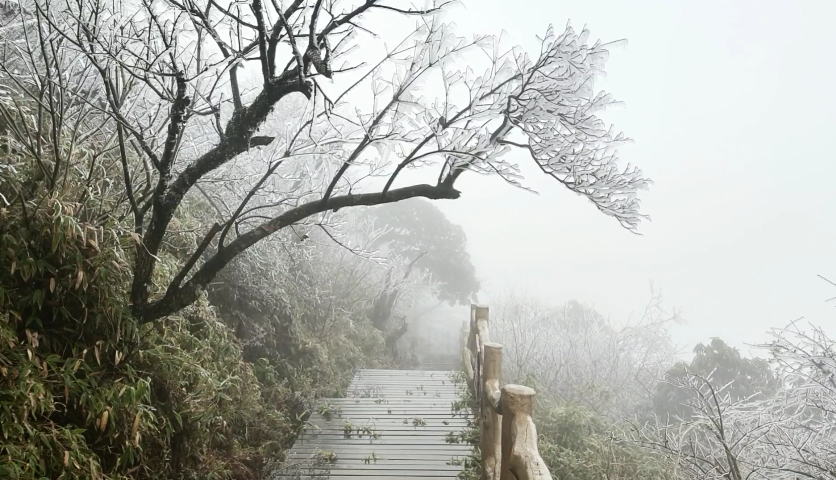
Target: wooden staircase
<point>393,424</point>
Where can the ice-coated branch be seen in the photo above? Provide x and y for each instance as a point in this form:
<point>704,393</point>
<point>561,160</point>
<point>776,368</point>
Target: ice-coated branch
<point>175,89</point>
<point>555,106</point>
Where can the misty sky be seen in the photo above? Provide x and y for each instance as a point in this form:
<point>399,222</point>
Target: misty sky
<point>730,108</point>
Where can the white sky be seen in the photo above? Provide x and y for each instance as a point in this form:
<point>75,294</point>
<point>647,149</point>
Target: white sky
<point>729,106</point>
<point>728,103</point>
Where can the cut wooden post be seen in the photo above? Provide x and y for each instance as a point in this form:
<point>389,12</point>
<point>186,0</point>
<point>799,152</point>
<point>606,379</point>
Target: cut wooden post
<point>479,325</point>
<point>480,321</point>
<point>520,457</point>
<point>471,339</point>
<point>505,415</point>
<point>467,358</point>
<point>480,312</point>
<point>491,421</point>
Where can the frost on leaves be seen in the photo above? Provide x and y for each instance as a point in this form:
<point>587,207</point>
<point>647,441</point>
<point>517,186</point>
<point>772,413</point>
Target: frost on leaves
<point>555,106</point>
<point>787,436</point>
<point>354,127</point>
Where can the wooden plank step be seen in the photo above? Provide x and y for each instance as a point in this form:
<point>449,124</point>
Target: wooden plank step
<point>383,400</point>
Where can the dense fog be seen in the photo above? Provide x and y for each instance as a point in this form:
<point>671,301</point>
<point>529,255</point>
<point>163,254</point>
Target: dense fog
<point>219,219</point>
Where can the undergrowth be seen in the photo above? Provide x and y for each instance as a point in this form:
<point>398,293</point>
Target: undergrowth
<point>464,406</point>
<point>86,392</point>
<point>578,444</point>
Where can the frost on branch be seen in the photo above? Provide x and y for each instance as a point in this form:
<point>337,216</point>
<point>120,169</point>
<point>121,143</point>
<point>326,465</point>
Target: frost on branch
<point>788,436</point>
<point>232,73</point>
<point>547,106</point>
<point>555,106</point>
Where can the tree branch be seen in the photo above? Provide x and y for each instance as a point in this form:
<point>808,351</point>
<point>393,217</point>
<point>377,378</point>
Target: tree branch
<point>237,139</point>
<point>175,125</point>
<point>275,34</point>
<point>179,298</point>
<point>262,40</point>
<point>181,275</point>
<point>245,201</point>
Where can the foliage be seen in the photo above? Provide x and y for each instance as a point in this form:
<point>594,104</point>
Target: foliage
<point>785,436</point>
<point>159,94</point>
<point>417,227</point>
<point>304,310</point>
<point>578,444</point>
<point>573,355</point>
<point>88,392</point>
<point>748,378</point>
<point>65,328</point>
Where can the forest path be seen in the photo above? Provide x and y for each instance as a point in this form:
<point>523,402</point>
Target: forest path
<point>401,425</point>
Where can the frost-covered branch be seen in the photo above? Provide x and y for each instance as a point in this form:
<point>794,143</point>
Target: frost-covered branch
<point>788,436</point>
<point>201,96</point>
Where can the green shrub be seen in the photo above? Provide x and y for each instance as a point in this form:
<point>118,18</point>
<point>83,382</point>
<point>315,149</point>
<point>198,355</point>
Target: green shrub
<point>68,396</point>
<point>87,393</point>
<point>578,444</point>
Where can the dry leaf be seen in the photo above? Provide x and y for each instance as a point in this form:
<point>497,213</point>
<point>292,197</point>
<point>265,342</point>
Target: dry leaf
<point>135,426</point>
<point>103,420</point>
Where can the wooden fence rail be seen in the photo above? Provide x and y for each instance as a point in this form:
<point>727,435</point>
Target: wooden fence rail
<point>509,437</point>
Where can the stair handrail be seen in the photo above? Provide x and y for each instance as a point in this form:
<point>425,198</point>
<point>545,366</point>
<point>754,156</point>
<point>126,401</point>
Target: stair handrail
<point>508,440</point>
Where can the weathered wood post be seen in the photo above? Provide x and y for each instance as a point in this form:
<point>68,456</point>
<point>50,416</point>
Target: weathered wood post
<point>491,420</point>
<point>479,335</point>
<point>467,358</point>
<point>520,456</point>
<point>508,435</point>
<point>463,337</point>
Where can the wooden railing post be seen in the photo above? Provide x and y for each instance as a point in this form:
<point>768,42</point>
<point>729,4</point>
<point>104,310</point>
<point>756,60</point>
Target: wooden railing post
<point>520,455</point>
<point>508,435</point>
<point>467,357</point>
<point>480,336</point>
<point>491,426</point>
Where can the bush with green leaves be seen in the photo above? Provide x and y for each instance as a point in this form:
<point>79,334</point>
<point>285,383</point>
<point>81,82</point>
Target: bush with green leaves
<point>578,444</point>
<point>86,393</point>
<point>66,394</point>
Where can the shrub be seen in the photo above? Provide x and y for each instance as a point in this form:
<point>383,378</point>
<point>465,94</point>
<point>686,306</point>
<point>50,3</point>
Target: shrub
<point>87,393</point>
<point>578,444</point>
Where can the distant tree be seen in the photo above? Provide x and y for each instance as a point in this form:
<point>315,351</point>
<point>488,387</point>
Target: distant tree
<point>718,364</point>
<point>419,236</point>
<point>578,317</point>
<point>180,95</point>
<point>789,435</point>
<point>419,231</point>
<point>575,355</point>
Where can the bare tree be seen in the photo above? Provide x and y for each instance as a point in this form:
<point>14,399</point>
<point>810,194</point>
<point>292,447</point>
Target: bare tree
<point>714,442</point>
<point>789,436</point>
<point>575,355</point>
<point>521,323</point>
<point>148,103</point>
